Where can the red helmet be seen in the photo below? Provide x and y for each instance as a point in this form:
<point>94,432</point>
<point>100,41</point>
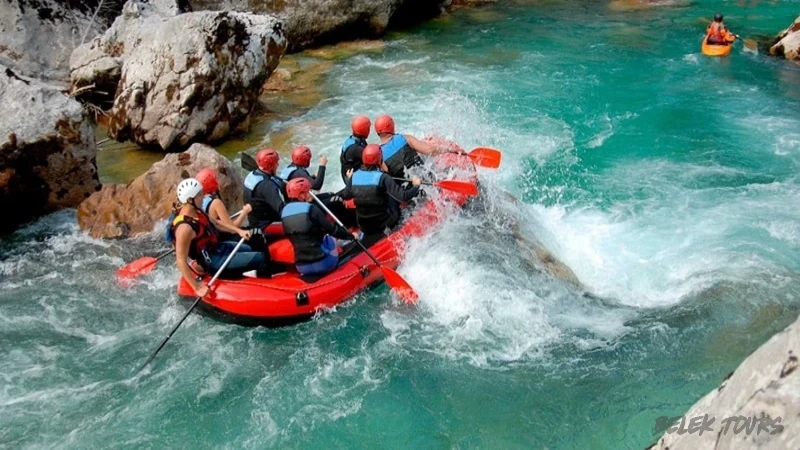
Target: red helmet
<point>372,155</point>
<point>301,156</point>
<point>208,179</point>
<point>267,160</point>
<point>384,124</point>
<point>360,126</point>
<point>297,188</point>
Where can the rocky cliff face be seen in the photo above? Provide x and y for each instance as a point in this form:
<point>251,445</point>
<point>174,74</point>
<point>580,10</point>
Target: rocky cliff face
<point>38,36</point>
<point>47,151</point>
<point>787,43</point>
<point>755,407</point>
<point>125,210</point>
<point>182,77</point>
<point>310,23</point>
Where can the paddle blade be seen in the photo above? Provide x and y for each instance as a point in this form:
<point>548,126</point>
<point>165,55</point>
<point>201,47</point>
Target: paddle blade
<point>486,157</point>
<point>137,268</point>
<point>399,285</point>
<point>248,162</point>
<point>751,45</point>
<point>462,187</point>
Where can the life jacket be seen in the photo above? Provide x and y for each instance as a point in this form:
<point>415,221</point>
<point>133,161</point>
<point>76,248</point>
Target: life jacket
<point>716,32</point>
<point>306,237</point>
<point>291,172</point>
<point>206,236</point>
<point>398,155</point>
<point>350,158</point>
<point>370,198</point>
<point>287,172</point>
<point>207,200</point>
<point>262,211</point>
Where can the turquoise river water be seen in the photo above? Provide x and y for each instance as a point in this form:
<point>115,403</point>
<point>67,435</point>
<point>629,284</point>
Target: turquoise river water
<point>666,180</point>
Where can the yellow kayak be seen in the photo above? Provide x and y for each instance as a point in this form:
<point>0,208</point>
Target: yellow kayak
<point>715,49</point>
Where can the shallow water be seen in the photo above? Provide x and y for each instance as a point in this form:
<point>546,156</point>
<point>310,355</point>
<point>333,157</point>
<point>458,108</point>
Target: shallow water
<point>664,179</point>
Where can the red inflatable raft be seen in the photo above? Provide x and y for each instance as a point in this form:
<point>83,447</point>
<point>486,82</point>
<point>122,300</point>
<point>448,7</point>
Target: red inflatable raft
<point>287,298</point>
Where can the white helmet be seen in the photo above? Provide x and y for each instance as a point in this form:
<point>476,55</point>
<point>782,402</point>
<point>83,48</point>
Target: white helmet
<point>188,189</point>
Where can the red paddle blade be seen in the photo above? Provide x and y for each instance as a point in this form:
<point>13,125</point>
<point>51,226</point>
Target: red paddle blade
<point>399,285</point>
<point>462,187</point>
<point>486,157</point>
<point>137,268</point>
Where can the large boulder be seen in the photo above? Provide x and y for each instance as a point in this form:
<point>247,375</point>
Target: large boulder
<point>183,77</point>
<point>755,407</point>
<point>125,210</point>
<point>787,43</point>
<point>311,23</point>
<point>38,36</point>
<point>47,151</point>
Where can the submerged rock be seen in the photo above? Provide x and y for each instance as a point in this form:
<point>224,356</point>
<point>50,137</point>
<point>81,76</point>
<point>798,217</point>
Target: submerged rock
<point>38,36</point>
<point>47,151</point>
<point>787,43</point>
<point>183,77</point>
<point>756,406</point>
<point>125,210</point>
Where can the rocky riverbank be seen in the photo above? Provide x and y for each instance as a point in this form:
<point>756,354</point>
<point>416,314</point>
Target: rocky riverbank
<point>755,407</point>
<point>787,43</point>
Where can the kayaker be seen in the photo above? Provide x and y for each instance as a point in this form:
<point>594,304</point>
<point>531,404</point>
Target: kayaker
<point>262,190</point>
<point>354,145</point>
<point>376,195</point>
<point>717,33</point>
<point>195,237</point>
<point>301,159</point>
<point>310,230</point>
<point>401,151</point>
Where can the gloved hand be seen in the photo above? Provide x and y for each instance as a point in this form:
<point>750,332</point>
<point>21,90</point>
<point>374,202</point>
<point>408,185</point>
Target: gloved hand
<point>335,199</point>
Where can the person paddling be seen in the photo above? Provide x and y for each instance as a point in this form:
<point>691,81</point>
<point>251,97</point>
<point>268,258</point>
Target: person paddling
<point>376,195</point>
<point>195,237</point>
<point>310,231</point>
<point>350,157</point>
<point>212,203</point>
<point>301,159</point>
<point>401,151</point>
<point>717,33</point>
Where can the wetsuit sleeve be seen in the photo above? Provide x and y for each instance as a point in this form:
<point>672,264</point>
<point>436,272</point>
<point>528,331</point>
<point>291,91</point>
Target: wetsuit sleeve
<point>396,192</point>
<point>347,192</point>
<point>319,180</point>
<point>319,219</point>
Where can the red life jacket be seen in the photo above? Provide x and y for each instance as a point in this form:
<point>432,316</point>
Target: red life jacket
<point>206,236</point>
<point>716,32</point>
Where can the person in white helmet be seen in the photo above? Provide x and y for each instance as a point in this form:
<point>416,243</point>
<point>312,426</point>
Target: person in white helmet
<point>194,236</point>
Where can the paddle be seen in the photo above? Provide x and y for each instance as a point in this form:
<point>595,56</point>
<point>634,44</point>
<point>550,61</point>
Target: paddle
<point>146,264</point>
<point>248,162</point>
<point>485,157</point>
<point>462,187</point>
<point>175,328</point>
<point>749,44</point>
<point>393,279</point>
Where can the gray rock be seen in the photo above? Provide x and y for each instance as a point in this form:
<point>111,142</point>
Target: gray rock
<point>766,384</point>
<point>47,151</point>
<point>38,36</point>
<point>787,43</point>
<point>310,23</point>
<point>183,77</point>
